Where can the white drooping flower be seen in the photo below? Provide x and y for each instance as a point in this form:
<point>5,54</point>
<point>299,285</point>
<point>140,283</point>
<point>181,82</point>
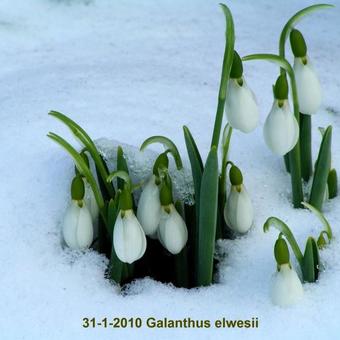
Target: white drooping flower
<point>238,211</point>
<point>149,207</point>
<point>241,108</point>
<point>77,227</point>
<point>90,201</point>
<point>172,230</point>
<point>129,240</point>
<point>308,86</point>
<point>286,287</point>
<point>281,130</point>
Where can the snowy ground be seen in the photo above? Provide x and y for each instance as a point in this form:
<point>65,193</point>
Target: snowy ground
<point>128,70</point>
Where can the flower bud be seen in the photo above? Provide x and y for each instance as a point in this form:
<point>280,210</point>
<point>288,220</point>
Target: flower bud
<point>286,288</point>
<point>308,86</point>
<point>281,130</point>
<point>172,230</point>
<point>149,207</point>
<point>77,228</point>
<point>129,240</point>
<point>241,108</point>
<point>238,210</point>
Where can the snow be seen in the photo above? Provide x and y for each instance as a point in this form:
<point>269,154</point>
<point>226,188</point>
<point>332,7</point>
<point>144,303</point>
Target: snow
<point>126,71</point>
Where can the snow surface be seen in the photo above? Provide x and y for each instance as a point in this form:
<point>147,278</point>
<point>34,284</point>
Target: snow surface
<point>127,70</point>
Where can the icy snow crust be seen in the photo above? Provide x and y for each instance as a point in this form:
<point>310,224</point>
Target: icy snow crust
<point>126,71</point>
<point>141,163</point>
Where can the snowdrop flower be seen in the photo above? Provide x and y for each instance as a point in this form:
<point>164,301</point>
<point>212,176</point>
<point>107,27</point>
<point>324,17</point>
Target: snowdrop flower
<point>77,227</point>
<point>307,82</point>
<point>129,240</point>
<point>149,205</point>
<point>238,210</point>
<point>241,108</point>
<point>286,287</point>
<point>172,230</point>
<point>281,130</point>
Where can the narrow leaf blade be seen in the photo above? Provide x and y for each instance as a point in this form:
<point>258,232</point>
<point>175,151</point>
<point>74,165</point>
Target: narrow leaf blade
<point>322,169</point>
<point>207,220</point>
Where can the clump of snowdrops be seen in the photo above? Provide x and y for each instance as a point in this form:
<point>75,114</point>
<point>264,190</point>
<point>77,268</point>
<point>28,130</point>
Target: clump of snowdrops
<point>171,240</point>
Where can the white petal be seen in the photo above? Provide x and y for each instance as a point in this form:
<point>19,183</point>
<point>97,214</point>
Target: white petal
<point>77,227</point>
<point>172,231</point>
<point>238,211</point>
<point>308,87</point>
<point>286,287</point>
<point>85,228</point>
<point>241,108</point>
<point>70,223</point>
<point>281,130</point>
<point>149,207</point>
<point>119,237</point>
<point>128,237</point>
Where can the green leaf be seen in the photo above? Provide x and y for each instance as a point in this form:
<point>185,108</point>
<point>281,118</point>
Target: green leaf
<point>284,229</point>
<point>168,145</point>
<point>85,139</point>
<point>294,20</point>
<point>332,183</point>
<point>197,171</point>
<point>310,267</point>
<point>322,168</point>
<point>195,162</point>
<point>322,218</point>
<point>103,184</point>
<point>226,67</point>
<point>122,166</point>
<point>207,220</point>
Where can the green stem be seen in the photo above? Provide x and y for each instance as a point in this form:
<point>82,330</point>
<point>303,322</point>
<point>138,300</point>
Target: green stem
<point>306,146</point>
<point>85,139</point>
<point>226,67</point>
<point>169,146</point>
<point>295,154</point>
<point>223,185</point>
<point>284,229</point>
<point>286,161</point>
